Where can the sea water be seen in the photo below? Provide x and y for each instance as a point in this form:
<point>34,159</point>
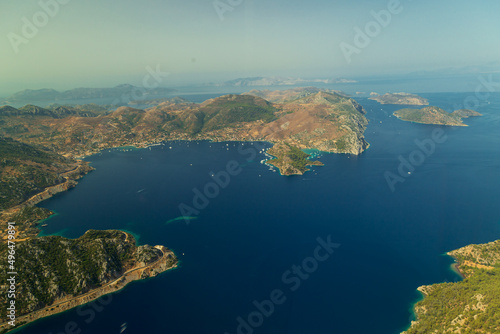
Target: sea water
<point>241,247</point>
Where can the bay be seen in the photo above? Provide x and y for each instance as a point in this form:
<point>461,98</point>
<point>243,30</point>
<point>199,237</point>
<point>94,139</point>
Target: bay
<point>261,224</point>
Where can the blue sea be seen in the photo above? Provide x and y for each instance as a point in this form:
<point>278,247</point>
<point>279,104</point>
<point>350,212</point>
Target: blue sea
<point>336,250</point>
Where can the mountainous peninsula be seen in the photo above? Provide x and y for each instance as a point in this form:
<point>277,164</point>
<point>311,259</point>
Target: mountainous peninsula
<point>57,274</point>
<point>401,98</point>
<point>469,306</point>
<point>435,115</point>
<point>304,118</point>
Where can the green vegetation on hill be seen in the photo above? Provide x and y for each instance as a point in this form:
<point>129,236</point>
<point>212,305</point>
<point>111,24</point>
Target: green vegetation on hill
<point>8,110</point>
<point>469,306</point>
<point>172,100</point>
<point>401,98</point>
<point>27,110</point>
<point>26,170</point>
<point>88,107</point>
<point>30,109</point>
<point>231,109</point>
<point>466,113</point>
<point>298,158</point>
<point>51,268</point>
<point>290,160</point>
<point>119,92</point>
<point>27,221</point>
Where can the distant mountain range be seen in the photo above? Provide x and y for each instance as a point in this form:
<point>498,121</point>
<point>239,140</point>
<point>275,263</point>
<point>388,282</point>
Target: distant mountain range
<point>118,92</point>
<point>276,81</point>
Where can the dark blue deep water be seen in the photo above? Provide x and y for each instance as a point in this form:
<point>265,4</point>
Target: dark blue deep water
<point>262,224</point>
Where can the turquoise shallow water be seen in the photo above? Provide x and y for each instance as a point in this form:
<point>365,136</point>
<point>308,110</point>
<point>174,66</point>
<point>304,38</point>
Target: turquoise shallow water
<point>242,247</point>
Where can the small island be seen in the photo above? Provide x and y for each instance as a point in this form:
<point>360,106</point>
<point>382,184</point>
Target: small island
<point>468,306</point>
<point>435,115</point>
<point>401,98</point>
<point>290,160</point>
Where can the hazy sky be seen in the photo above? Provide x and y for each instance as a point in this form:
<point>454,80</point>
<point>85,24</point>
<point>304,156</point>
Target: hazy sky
<point>103,42</point>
